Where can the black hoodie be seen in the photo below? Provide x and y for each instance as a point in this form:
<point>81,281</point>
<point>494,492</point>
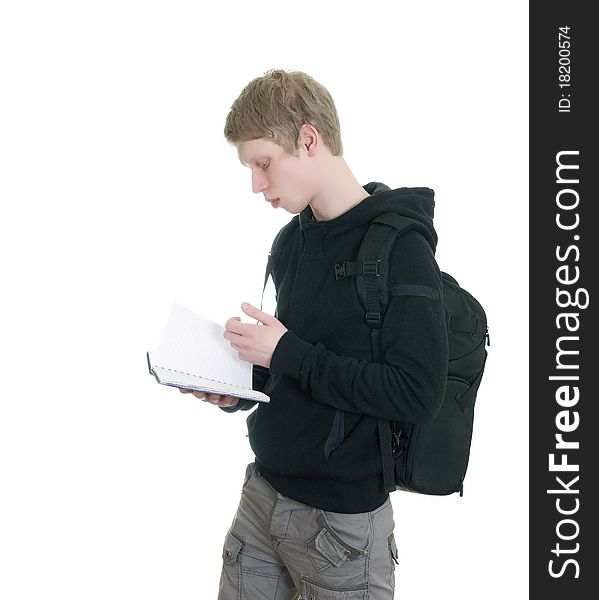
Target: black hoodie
<point>317,441</point>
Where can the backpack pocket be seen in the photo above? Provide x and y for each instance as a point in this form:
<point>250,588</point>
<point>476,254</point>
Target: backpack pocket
<point>457,391</point>
<point>441,448</point>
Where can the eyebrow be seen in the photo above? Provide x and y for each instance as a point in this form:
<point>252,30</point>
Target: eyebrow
<point>255,160</point>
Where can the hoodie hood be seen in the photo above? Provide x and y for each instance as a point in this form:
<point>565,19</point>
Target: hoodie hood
<point>415,203</point>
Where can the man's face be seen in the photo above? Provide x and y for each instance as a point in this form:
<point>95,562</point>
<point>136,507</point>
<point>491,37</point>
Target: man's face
<point>282,178</point>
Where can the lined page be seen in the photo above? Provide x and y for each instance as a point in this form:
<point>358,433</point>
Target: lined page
<point>193,344</point>
<point>194,382</point>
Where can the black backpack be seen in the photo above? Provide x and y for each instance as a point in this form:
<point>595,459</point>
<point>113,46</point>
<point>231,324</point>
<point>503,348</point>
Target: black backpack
<point>428,458</point>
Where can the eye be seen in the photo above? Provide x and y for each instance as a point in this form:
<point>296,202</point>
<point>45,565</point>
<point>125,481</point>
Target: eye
<point>264,165</point>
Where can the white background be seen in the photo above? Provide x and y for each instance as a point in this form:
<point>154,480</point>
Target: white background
<point>119,196</point>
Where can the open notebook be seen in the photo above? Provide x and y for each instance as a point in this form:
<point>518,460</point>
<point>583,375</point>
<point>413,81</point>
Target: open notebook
<point>193,354</point>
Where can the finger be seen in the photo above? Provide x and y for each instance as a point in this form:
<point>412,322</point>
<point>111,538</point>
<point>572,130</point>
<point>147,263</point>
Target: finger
<point>184,391</point>
<point>255,313</point>
<point>213,398</point>
<point>233,325</point>
<point>229,401</point>
<point>234,338</point>
<point>199,395</point>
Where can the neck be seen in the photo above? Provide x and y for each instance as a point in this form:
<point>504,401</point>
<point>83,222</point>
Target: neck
<point>339,192</point>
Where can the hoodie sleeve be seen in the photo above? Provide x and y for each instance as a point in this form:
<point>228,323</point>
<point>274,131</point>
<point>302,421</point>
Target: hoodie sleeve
<point>409,385</point>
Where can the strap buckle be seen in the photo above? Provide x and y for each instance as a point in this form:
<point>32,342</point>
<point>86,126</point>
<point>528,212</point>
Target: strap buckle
<point>340,270</point>
<point>372,317</point>
<point>372,267</point>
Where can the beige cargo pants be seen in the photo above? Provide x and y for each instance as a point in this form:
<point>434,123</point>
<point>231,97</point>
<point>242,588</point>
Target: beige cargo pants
<point>280,549</point>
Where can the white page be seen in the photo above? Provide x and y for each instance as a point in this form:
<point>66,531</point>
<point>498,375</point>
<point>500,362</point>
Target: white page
<point>193,344</point>
<point>188,381</point>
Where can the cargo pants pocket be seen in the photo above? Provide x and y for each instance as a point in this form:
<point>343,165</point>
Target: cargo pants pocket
<point>340,569</point>
<point>230,579</point>
<point>328,550</point>
<point>246,575</point>
<point>314,591</point>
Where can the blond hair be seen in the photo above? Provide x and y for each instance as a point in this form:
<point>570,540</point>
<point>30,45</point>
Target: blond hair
<point>276,105</point>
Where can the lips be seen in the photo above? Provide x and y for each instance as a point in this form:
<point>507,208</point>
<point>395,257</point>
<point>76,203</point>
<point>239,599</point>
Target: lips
<point>274,202</point>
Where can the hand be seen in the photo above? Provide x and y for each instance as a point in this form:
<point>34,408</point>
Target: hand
<point>254,343</point>
<point>216,399</point>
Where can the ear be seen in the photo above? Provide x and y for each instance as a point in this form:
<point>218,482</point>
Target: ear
<point>309,139</point>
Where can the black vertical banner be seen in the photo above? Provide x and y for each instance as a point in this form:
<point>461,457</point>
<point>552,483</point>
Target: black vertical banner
<point>564,268</point>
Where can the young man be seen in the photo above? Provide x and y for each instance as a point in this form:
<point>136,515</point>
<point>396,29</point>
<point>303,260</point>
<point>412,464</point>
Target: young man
<point>314,518</point>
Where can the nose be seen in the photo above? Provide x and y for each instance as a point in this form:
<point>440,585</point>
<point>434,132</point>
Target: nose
<point>259,183</point>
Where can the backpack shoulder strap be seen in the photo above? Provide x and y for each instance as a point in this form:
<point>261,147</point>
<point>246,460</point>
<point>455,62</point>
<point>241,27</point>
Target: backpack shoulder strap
<point>371,269</point>
<point>279,242</point>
